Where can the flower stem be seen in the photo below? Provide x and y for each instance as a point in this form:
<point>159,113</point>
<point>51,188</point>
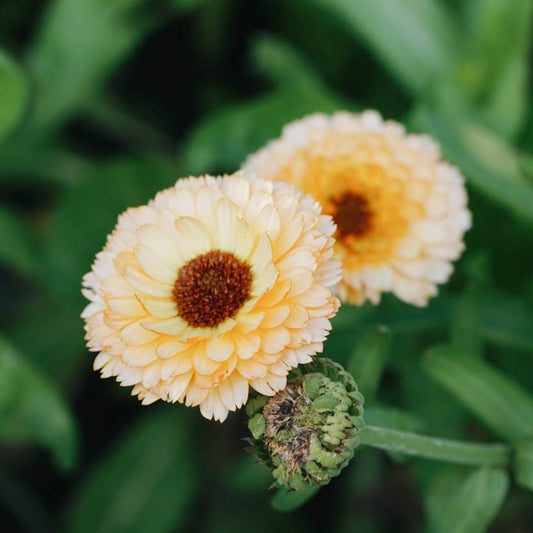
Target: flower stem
<point>447,450</point>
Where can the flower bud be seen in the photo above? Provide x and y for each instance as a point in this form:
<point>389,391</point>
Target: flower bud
<point>306,434</point>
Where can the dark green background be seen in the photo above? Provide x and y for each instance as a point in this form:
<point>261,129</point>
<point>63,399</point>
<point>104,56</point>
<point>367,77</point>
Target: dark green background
<point>104,102</point>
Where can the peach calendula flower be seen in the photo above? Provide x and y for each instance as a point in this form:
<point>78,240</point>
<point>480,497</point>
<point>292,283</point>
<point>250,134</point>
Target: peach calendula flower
<point>400,210</point>
<point>216,285</point>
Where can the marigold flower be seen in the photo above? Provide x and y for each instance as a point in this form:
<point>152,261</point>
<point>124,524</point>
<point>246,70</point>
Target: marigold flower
<point>215,285</point>
<point>307,433</point>
<point>400,210</point>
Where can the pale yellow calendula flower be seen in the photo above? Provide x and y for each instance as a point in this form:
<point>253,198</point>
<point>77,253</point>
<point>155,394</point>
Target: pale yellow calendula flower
<point>216,285</point>
<point>401,212</point>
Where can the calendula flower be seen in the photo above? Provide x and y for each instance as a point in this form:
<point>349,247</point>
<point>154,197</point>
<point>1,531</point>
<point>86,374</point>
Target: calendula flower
<point>400,210</point>
<point>216,285</point>
<point>307,433</point>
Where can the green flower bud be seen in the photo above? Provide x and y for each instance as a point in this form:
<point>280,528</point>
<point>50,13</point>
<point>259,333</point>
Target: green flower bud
<point>307,433</point>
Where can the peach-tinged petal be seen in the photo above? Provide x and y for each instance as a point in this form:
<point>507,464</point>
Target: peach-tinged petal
<point>236,240</point>
<point>135,334</point>
<point>170,326</point>
<point>146,284</point>
<point>169,348</point>
<point>398,207</point>
<point>193,237</point>
<point>247,346</point>
<point>179,386</point>
<point>154,265</point>
<point>219,348</point>
<point>159,308</point>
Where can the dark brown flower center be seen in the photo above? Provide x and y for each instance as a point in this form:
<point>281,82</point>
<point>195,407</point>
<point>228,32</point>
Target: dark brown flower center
<point>352,214</point>
<point>211,288</point>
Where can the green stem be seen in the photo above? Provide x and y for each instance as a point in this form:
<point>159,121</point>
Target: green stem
<point>450,451</point>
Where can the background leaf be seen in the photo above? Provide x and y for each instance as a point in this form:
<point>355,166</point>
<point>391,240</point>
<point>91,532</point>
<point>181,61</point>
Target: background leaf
<point>285,500</point>
<point>496,72</point>
<point>13,94</point>
<point>415,39</point>
<point>31,409</point>
<point>17,249</point>
<point>498,402</point>
<point>475,504</point>
<point>146,483</point>
<point>523,464</point>
<point>368,360</point>
<point>223,140</point>
<point>487,161</point>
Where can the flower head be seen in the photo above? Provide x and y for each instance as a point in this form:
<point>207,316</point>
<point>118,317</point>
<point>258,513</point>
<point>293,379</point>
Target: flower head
<point>307,433</point>
<point>400,210</point>
<point>216,285</point>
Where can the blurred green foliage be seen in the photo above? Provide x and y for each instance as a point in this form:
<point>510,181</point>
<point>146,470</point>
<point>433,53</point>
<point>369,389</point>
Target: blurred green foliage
<point>102,103</point>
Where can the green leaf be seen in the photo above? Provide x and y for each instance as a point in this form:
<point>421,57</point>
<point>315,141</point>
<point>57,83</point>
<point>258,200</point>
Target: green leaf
<point>466,324</point>
<point>222,141</point>
<point>523,464</point>
<point>24,160</point>
<point>488,162</point>
<point>436,448</point>
<point>279,62</point>
<point>247,476</point>
<point>16,247</point>
<point>475,504</point>
<point>439,488</point>
<point>13,94</point>
<point>497,69</point>
<point>144,484</point>
<point>58,352</point>
<point>415,39</point>
<point>507,320</point>
<point>88,212</point>
<point>494,399</point>
<point>393,418</point>
<point>78,44</point>
<point>32,410</point>
<point>286,500</point>
<point>368,360</point>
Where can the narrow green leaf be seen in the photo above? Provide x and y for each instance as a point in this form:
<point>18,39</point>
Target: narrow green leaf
<point>248,476</point>
<point>494,399</point>
<point>436,448</point>
<point>144,484</point>
<point>368,360</point>
<point>58,352</point>
<point>16,247</point>
<point>32,410</point>
<point>439,489</point>
<point>489,163</point>
<point>393,418</point>
<point>523,464</point>
<point>475,505</point>
<point>507,320</point>
<point>282,64</point>
<point>183,6</point>
<point>77,46</point>
<point>27,161</point>
<point>289,500</point>
<point>221,142</point>
<point>415,39</point>
<point>466,324</point>
<point>499,37</point>
<point>13,94</point>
